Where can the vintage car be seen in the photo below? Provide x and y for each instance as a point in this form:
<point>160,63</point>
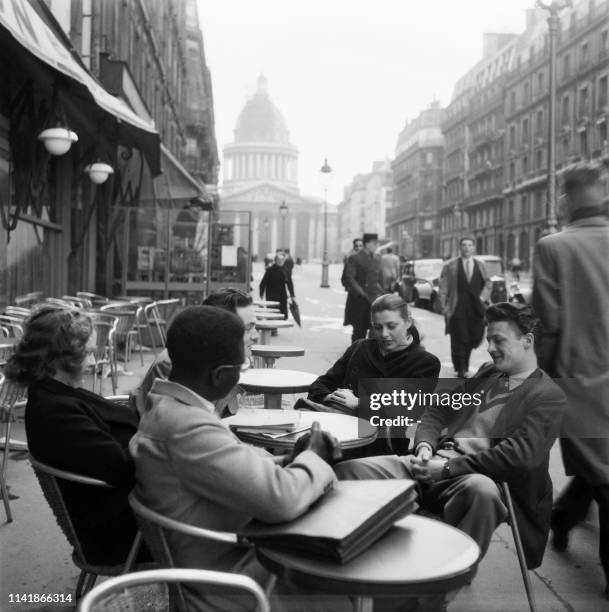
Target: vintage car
<point>420,281</point>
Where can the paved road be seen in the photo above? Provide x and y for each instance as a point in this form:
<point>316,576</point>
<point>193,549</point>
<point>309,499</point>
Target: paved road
<point>35,558</point>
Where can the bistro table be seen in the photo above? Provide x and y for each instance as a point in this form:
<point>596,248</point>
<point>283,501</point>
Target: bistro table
<point>268,353</point>
<point>261,314</point>
<point>350,431</point>
<point>273,383</point>
<point>266,327</point>
<point>417,556</point>
<point>265,303</point>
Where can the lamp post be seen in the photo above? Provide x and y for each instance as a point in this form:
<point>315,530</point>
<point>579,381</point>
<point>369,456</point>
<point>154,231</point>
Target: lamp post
<point>553,24</point>
<point>283,210</point>
<point>325,178</point>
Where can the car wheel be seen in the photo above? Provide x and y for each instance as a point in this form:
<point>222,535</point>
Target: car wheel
<point>435,304</point>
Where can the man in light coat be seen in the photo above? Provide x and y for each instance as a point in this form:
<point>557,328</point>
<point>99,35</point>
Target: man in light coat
<point>571,295</point>
<point>464,287</point>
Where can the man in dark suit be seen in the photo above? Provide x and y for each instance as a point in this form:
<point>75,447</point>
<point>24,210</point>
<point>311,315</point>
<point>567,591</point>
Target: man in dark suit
<point>274,283</point>
<point>362,279</point>
<point>463,451</point>
<point>464,287</point>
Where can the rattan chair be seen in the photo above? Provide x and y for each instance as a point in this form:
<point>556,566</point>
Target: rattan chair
<point>11,326</point>
<point>29,299</point>
<point>12,395</point>
<point>115,595</point>
<point>157,315</point>
<point>153,527</point>
<point>126,329</point>
<point>103,354</point>
<point>95,299</point>
<point>47,477</point>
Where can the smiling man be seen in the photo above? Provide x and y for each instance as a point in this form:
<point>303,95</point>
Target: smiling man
<point>463,453</point>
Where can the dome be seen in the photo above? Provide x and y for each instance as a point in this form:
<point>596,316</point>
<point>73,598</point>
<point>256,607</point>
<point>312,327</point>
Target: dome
<point>260,120</point>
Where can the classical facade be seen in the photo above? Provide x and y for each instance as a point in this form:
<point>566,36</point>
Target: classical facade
<point>365,203</point>
<point>260,181</point>
<point>417,177</point>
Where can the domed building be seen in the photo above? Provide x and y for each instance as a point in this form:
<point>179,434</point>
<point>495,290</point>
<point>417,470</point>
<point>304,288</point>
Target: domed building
<point>260,175</point>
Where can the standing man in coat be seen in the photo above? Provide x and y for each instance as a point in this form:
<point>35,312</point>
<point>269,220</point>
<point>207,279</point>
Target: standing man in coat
<point>464,287</point>
<point>362,278</point>
<point>390,270</point>
<point>274,282</point>
<point>571,294</point>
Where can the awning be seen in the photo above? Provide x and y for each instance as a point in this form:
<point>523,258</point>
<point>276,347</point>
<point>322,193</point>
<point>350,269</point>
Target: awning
<point>26,26</point>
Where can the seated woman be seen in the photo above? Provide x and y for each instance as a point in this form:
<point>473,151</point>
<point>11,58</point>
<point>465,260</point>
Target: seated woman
<point>394,352</point>
<point>76,430</point>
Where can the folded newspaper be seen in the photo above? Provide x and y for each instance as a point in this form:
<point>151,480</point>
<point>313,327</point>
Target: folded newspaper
<point>260,419</point>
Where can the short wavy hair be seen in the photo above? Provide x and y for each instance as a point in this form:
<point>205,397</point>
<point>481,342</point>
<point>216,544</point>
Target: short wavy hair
<point>522,317</point>
<point>54,338</point>
<point>391,301</point>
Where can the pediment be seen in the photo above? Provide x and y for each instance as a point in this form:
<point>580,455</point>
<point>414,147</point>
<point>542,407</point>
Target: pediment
<point>267,193</point>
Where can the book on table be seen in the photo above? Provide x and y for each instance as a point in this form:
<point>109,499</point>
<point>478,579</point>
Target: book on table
<point>261,419</point>
<point>343,523</point>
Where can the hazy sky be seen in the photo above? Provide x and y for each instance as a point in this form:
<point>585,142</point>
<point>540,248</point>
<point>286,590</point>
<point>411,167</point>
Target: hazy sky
<point>345,73</point>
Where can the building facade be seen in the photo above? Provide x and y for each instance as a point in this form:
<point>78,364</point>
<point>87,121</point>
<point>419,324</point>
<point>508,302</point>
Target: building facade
<point>417,178</point>
<point>365,203</point>
<point>260,184</point>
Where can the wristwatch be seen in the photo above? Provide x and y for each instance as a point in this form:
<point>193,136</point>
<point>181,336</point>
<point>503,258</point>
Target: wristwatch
<point>445,470</point>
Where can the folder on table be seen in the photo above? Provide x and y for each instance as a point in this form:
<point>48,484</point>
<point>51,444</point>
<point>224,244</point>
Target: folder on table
<point>343,523</point>
<point>261,419</point>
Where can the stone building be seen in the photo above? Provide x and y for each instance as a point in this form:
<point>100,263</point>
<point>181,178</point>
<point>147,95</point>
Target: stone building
<point>260,178</point>
<point>417,177</point>
<point>365,203</point>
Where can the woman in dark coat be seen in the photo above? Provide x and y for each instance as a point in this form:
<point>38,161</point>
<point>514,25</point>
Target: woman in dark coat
<point>395,351</point>
<point>73,429</point>
<point>274,283</point>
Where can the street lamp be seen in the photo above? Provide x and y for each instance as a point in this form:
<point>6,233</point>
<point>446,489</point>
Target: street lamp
<point>554,24</point>
<point>325,179</point>
<point>283,210</point>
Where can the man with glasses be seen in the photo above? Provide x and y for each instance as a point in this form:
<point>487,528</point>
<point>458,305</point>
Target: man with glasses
<point>235,301</point>
<point>463,450</point>
<point>191,467</point>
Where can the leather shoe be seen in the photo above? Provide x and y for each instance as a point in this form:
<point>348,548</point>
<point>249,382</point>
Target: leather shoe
<point>560,540</point>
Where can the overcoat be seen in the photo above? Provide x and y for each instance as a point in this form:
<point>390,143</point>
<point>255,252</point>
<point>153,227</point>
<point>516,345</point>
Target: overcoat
<point>571,295</point>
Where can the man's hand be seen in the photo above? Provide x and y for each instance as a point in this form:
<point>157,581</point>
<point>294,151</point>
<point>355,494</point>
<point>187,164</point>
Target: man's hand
<point>427,469</point>
<point>320,442</point>
<point>345,397</point>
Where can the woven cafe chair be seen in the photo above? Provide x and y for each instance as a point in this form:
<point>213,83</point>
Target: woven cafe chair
<point>118,594</point>
<point>103,353</point>
<point>11,327</point>
<point>12,395</point>
<point>153,527</point>
<point>47,477</point>
<point>157,315</point>
<point>127,327</point>
<point>79,302</point>
<point>29,299</point>
<point>95,299</point>
<point>17,312</point>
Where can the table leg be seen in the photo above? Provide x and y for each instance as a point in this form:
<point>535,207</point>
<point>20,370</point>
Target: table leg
<point>363,604</point>
<point>272,401</point>
<point>265,336</point>
<point>269,362</point>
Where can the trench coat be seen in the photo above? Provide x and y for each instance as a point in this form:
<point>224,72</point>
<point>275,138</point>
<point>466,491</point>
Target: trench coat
<point>571,296</point>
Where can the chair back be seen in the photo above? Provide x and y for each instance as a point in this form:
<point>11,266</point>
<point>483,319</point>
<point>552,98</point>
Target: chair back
<point>114,595</point>
<point>29,299</point>
<point>79,302</point>
<point>11,326</point>
<point>17,312</point>
<point>153,526</point>
<point>47,477</point>
<point>12,394</point>
<point>95,299</point>
<point>104,331</point>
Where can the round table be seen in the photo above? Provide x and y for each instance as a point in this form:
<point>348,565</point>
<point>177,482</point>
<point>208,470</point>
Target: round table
<point>269,315</point>
<point>273,383</point>
<point>268,353</point>
<point>265,303</point>
<point>350,431</point>
<point>266,327</point>
<point>417,556</point>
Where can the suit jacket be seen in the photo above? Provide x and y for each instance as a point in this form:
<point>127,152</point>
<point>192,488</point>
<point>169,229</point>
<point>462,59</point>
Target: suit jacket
<point>521,439</point>
<point>191,467</point>
<point>363,275</point>
<point>79,431</point>
<point>448,289</point>
<point>570,295</point>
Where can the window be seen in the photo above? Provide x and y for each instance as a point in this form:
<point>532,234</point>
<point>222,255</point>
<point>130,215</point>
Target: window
<point>584,55</point>
<point>512,137</point>
<point>583,143</point>
<point>602,92</point>
<point>565,110</point>
<point>539,123</point>
<point>566,65</point>
<point>512,171</point>
<point>525,164</point>
<point>538,204</point>
<point>539,159</point>
<point>604,42</point>
<point>526,93</point>
<point>540,83</point>
<point>525,131</point>
<point>512,101</point>
<point>583,102</point>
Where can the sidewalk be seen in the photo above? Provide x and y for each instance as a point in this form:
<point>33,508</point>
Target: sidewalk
<point>36,557</point>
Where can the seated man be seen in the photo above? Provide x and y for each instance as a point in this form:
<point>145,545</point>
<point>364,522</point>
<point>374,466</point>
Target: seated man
<point>506,438</point>
<point>191,467</point>
<point>231,299</point>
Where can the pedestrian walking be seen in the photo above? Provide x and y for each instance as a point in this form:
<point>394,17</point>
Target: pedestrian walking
<point>390,270</point>
<point>464,287</point>
<point>289,263</point>
<point>358,245</point>
<point>362,278</point>
<point>276,283</point>
<point>571,293</point>
<point>515,267</point>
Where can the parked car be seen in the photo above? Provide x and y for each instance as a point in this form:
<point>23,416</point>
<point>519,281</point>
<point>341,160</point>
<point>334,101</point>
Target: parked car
<point>420,282</point>
<point>496,270</point>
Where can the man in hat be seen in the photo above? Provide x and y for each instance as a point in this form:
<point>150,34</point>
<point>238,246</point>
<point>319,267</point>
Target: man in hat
<point>571,293</point>
<point>464,287</point>
<point>362,278</point>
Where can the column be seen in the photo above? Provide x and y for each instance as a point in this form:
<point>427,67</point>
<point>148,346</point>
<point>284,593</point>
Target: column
<point>311,237</point>
<point>292,236</point>
<point>274,235</point>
